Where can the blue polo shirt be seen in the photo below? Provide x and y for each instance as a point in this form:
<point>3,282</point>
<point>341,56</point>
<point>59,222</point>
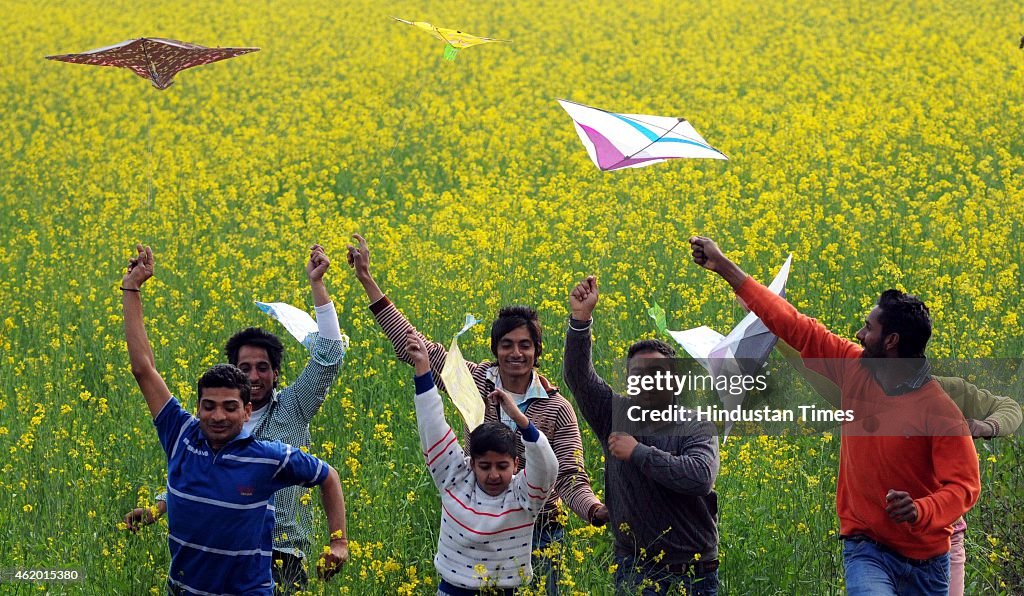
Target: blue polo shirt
<point>220,505</point>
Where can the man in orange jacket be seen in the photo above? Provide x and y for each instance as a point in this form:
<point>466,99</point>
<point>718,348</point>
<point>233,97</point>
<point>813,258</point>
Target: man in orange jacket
<point>907,465</point>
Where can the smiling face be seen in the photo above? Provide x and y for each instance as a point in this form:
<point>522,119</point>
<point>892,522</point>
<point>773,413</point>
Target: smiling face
<point>222,414</point>
<point>516,354</point>
<point>494,471</point>
<point>255,363</point>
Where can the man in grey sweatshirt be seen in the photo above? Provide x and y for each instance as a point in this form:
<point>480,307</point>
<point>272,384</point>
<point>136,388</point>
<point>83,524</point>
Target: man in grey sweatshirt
<point>659,486</point>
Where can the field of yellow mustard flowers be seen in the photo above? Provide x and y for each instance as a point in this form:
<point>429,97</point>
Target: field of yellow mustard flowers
<point>882,143</point>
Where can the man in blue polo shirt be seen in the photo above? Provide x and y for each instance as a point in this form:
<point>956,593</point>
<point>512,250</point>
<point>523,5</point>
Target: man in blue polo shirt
<point>283,415</point>
<point>221,481</point>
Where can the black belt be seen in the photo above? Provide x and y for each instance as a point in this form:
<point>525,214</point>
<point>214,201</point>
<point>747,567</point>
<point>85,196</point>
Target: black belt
<point>698,567</point>
<point>448,588</point>
<point>889,550</point>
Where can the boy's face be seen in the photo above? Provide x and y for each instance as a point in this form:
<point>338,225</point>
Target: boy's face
<point>493,471</point>
<point>222,415</point>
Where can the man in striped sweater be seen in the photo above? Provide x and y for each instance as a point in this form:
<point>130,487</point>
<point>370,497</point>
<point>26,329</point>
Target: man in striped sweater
<point>487,509</point>
<point>516,345</point>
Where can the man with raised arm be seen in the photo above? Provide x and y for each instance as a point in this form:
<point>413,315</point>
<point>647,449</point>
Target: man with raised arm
<point>221,482</point>
<point>516,345</point>
<point>283,416</point>
<point>988,416</point>
<point>487,508</point>
<point>908,468</point>
<point>659,486</point>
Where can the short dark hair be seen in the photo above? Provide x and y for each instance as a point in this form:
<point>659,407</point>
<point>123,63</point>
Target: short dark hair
<point>514,317</point>
<point>908,316</point>
<point>650,345</point>
<point>254,336</point>
<point>226,376</point>
<point>492,436</point>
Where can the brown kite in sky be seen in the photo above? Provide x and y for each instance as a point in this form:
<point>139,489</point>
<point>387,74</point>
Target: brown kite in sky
<point>152,58</point>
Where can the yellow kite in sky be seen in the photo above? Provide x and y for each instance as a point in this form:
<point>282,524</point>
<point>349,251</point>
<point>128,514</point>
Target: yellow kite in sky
<point>454,40</point>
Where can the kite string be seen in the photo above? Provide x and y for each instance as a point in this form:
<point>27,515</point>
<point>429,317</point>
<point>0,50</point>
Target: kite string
<point>151,190</point>
<point>612,238</point>
<point>145,164</point>
<point>389,160</point>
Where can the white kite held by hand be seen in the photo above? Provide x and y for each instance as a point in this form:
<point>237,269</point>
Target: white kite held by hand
<point>748,343</point>
<point>698,342</point>
<point>459,383</point>
<point>296,321</point>
<point>750,339</point>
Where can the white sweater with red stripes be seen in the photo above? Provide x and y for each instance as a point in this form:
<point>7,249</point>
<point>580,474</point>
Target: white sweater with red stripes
<point>485,541</point>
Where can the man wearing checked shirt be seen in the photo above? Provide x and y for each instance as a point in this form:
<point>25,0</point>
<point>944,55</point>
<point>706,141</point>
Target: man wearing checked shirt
<point>283,416</point>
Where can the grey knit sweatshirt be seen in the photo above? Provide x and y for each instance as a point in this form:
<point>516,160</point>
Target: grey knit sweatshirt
<point>664,494</point>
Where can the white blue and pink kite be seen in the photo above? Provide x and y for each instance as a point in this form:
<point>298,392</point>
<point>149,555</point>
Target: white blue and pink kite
<point>616,141</point>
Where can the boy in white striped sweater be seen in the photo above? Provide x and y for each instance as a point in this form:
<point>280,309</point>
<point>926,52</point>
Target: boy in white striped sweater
<point>487,513</point>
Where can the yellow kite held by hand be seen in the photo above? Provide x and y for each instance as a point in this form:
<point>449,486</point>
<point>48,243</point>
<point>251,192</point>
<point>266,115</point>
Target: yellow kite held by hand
<point>454,40</point>
<point>459,381</point>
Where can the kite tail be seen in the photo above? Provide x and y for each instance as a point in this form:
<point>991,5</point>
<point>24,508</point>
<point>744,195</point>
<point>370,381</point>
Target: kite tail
<point>450,52</point>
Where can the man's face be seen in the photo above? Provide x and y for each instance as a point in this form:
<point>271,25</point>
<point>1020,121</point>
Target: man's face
<point>871,337</point>
<point>516,353</point>
<point>493,471</point>
<point>222,414</point>
<point>651,363</point>
<point>255,362</point>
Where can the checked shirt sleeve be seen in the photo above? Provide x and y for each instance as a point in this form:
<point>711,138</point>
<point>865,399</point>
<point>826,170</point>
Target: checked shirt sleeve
<point>307,393</point>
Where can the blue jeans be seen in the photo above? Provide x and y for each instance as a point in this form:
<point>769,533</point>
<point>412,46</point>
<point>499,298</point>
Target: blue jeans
<point>874,570</point>
<point>546,567</point>
<point>634,577</point>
